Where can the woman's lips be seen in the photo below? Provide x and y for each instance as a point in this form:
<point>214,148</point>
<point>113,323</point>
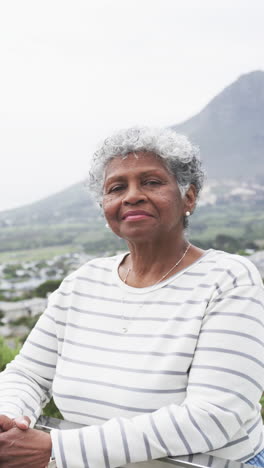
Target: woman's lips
<point>136,215</point>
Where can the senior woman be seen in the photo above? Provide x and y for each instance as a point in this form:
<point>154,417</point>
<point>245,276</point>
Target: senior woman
<point>158,351</point>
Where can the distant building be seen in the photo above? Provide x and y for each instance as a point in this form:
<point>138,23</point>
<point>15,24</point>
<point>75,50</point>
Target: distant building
<point>27,308</point>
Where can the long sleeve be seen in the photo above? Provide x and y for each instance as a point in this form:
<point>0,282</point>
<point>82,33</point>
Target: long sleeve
<point>220,411</point>
<point>25,384</point>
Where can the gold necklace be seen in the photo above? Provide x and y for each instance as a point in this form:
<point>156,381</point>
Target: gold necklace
<point>125,327</point>
<point>168,272</point>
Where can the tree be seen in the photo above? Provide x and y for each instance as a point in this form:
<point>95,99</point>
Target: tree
<point>48,286</point>
<point>227,243</point>
<point>1,317</point>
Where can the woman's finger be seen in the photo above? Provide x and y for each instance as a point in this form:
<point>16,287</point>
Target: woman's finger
<point>22,422</point>
<point>6,423</point>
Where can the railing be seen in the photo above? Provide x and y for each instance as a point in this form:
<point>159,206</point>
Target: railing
<point>45,423</point>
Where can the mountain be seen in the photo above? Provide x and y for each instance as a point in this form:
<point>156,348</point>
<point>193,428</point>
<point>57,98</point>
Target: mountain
<point>68,218</point>
<point>71,205</point>
<point>230,130</point>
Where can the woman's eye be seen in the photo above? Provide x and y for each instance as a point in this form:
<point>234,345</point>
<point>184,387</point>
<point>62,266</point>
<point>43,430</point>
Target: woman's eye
<point>116,188</point>
<point>152,182</point>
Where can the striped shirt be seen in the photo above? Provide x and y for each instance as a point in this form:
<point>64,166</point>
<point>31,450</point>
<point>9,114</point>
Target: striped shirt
<point>166,370</point>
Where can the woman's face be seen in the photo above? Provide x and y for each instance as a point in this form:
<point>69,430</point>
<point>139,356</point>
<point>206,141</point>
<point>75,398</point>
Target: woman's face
<point>142,200</point>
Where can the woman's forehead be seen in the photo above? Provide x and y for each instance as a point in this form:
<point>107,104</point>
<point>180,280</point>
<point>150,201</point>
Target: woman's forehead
<point>140,161</point>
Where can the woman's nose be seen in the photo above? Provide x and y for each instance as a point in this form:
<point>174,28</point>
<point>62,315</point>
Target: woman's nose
<point>133,195</point>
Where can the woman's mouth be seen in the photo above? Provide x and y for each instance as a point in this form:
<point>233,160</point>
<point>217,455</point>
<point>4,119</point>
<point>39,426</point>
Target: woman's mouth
<point>136,215</point>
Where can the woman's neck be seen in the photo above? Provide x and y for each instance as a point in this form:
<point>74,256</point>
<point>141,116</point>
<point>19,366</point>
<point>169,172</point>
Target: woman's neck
<point>149,264</point>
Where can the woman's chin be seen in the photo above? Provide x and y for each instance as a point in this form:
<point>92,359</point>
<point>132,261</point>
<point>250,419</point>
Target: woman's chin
<point>139,235</point>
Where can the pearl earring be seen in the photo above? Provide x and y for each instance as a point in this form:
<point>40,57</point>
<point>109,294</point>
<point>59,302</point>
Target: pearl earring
<point>187,213</point>
<point>107,225</point>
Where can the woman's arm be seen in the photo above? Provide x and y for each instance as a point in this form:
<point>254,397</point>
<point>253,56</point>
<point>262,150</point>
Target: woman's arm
<point>25,385</point>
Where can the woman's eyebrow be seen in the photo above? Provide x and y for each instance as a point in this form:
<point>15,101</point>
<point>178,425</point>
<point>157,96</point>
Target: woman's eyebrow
<point>120,177</point>
<point>114,178</point>
<point>152,172</point>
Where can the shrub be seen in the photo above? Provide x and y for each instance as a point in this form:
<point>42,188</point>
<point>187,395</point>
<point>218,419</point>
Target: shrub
<point>7,354</point>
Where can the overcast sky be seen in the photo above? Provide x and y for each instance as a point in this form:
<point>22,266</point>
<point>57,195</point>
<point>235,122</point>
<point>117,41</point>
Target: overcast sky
<point>74,71</point>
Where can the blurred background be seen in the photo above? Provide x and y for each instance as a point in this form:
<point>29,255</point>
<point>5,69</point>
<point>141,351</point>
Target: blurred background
<point>74,72</point>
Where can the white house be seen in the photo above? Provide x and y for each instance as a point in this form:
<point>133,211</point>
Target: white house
<point>27,308</point>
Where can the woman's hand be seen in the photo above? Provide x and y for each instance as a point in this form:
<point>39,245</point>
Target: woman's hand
<point>23,448</point>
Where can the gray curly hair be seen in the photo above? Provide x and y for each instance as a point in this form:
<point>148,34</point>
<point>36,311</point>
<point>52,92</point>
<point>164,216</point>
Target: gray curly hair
<point>179,156</point>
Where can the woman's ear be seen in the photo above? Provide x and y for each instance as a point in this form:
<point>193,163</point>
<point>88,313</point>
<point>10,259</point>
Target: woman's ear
<point>190,199</point>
